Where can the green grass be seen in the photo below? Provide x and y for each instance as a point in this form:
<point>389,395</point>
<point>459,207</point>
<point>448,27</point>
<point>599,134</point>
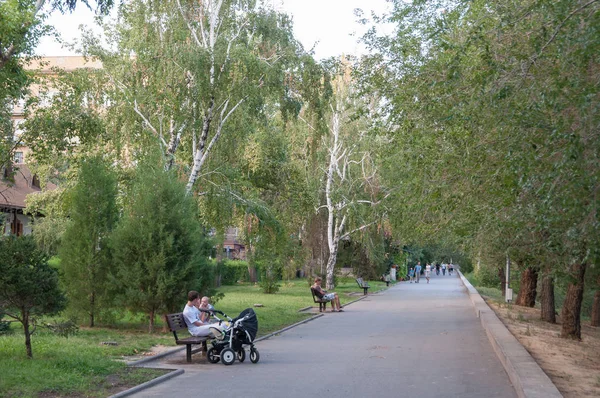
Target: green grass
<point>63,366</point>
<point>81,366</point>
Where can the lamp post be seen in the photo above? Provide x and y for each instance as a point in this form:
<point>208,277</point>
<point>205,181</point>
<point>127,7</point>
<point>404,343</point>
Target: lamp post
<point>509,292</point>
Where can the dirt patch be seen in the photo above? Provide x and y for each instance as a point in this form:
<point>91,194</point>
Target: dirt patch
<point>155,350</point>
<point>573,366</point>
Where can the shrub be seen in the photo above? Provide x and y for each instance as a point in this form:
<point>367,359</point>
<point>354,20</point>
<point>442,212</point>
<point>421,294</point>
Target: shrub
<point>229,272</point>
<point>4,325</point>
<point>270,276</point>
<point>63,329</point>
<point>487,276</point>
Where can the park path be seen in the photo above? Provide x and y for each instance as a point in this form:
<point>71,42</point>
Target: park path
<point>413,340</point>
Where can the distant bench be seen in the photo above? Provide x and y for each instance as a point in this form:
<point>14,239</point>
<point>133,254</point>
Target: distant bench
<point>176,323</point>
<point>362,284</point>
<point>322,302</point>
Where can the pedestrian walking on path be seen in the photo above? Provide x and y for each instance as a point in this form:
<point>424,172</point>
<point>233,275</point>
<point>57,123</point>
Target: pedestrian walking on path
<point>417,272</point>
<point>411,274</point>
<point>427,272</point>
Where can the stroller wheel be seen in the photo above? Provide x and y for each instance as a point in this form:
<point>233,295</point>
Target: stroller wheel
<point>227,356</point>
<point>254,355</point>
<point>241,354</point>
<point>212,355</point>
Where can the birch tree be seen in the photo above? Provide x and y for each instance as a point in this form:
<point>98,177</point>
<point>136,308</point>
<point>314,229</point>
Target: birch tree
<point>351,178</point>
<point>199,71</point>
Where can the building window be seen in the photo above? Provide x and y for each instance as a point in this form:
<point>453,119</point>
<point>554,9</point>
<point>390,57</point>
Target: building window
<point>35,182</point>
<point>18,157</point>
<point>16,227</point>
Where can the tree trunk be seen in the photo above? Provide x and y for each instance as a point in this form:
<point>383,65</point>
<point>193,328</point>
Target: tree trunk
<point>548,312</point>
<point>27,335</point>
<point>528,292</point>
<point>151,323</point>
<point>596,309</point>
<point>252,274</point>
<point>502,276</point>
<point>571,311</point>
<point>331,267</point>
<point>92,302</point>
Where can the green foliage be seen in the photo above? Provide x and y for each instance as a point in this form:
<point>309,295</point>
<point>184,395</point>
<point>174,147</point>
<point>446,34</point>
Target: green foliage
<point>270,279</point>
<point>63,328</point>
<point>232,271</point>
<point>80,366</point>
<point>28,285</point>
<point>487,277</point>
<point>4,325</point>
<point>159,246</point>
<point>84,252</point>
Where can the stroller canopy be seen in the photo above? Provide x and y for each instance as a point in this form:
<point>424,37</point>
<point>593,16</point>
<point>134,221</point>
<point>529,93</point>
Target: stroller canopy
<point>250,324</point>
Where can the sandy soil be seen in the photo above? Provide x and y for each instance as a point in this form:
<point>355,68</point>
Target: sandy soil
<point>573,366</point>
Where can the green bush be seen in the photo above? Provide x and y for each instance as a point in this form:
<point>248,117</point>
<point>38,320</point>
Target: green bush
<point>229,272</point>
<point>63,328</point>
<point>487,276</point>
<point>4,325</point>
<point>270,275</point>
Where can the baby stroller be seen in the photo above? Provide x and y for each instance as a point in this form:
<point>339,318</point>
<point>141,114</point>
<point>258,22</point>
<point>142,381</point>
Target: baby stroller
<point>230,344</point>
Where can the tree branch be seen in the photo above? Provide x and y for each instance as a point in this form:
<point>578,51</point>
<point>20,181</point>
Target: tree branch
<point>136,109</point>
<point>557,30</point>
<point>356,230</point>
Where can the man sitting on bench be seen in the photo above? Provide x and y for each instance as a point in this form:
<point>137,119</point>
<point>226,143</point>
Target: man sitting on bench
<point>194,319</point>
<point>322,294</point>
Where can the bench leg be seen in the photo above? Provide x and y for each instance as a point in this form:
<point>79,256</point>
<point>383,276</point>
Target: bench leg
<point>365,290</point>
<point>188,352</point>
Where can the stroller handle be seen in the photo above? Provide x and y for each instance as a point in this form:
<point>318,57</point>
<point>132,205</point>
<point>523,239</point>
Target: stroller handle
<point>211,311</point>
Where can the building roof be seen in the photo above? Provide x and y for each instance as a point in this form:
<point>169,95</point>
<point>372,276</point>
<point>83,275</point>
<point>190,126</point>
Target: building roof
<point>67,63</point>
<point>13,195</point>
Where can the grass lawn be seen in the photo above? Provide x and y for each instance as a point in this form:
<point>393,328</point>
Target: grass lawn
<point>81,366</point>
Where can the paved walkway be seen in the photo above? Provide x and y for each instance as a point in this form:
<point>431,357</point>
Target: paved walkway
<point>413,340</point>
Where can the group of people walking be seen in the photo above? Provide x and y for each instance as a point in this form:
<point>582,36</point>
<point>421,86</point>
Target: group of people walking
<point>415,272</point>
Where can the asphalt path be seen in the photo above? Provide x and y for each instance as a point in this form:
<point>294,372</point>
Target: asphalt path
<point>413,340</point>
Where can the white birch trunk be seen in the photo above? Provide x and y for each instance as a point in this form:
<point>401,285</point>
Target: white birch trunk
<point>338,176</point>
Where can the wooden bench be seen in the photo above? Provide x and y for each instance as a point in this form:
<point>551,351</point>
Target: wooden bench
<point>364,285</point>
<point>316,299</point>
<point>176,322</point>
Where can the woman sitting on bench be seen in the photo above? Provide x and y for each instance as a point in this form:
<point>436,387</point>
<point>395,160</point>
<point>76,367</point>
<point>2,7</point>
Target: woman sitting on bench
<point>322,294</point>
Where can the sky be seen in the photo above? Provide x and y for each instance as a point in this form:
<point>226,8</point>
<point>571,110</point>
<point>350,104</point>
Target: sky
<point>325,24</point>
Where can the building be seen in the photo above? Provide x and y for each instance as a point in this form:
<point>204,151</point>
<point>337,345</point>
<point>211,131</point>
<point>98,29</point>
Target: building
<point>16,180</point>
<point>232,247</point>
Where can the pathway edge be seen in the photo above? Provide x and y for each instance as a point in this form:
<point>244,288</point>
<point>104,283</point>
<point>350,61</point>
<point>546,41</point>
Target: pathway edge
<point>527,377</point>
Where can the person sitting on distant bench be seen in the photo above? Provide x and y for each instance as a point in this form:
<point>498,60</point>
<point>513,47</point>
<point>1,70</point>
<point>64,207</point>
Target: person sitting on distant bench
<point>194,319</point>
<point>322,294</point>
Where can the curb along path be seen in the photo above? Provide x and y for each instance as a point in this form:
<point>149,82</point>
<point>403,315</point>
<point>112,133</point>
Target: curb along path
<point>525,374</point>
